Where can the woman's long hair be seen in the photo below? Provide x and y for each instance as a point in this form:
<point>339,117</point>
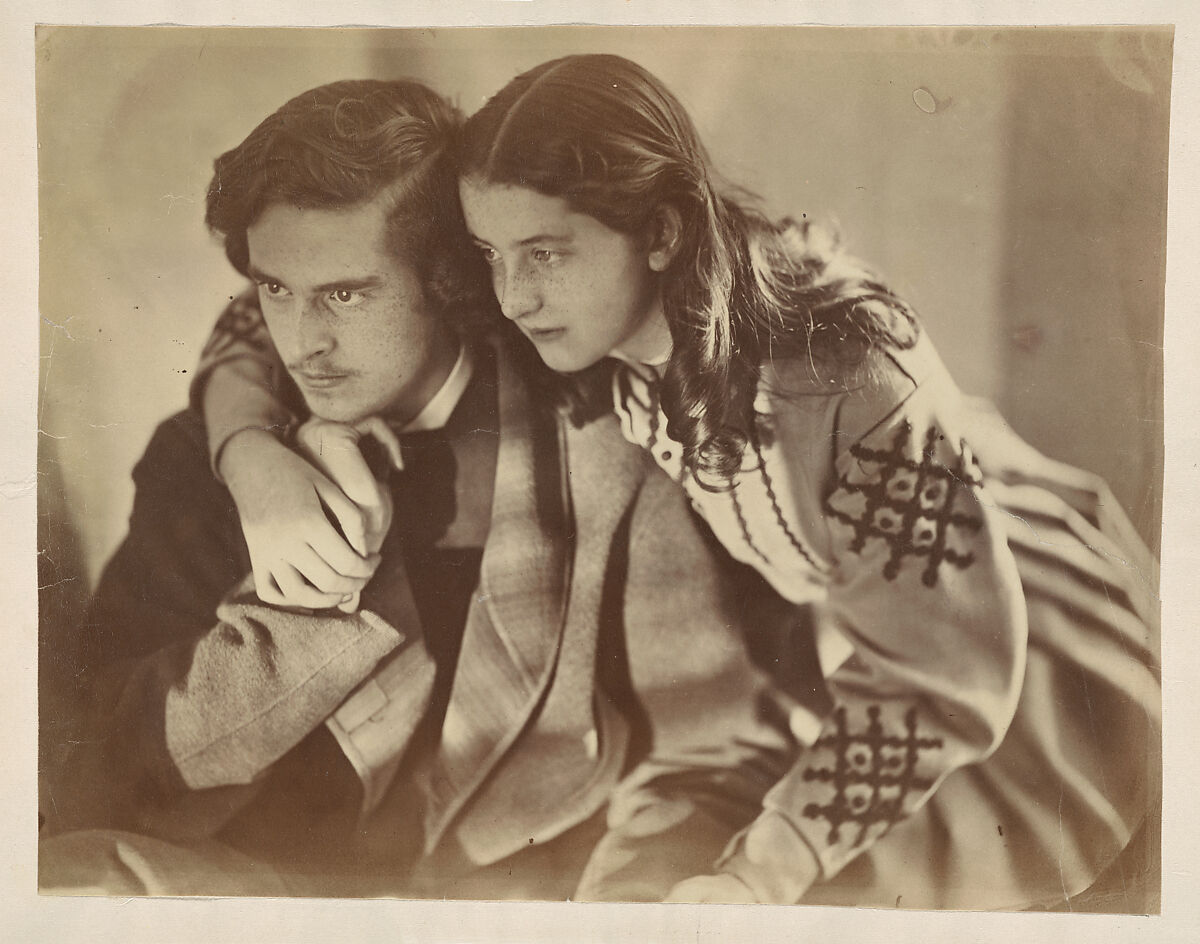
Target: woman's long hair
<point>608,137</point>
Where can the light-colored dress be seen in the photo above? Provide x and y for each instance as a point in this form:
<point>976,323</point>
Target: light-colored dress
<point>988,631</point>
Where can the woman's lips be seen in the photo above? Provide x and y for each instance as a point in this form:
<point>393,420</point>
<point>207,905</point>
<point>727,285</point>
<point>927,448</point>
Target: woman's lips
<point>321,381</point>
<point>544,334</point>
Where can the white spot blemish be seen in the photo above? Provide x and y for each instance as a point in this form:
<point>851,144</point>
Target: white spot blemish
<point>924,100</point>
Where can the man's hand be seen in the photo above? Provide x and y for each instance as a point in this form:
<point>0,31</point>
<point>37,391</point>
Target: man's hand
<point>298,557</point>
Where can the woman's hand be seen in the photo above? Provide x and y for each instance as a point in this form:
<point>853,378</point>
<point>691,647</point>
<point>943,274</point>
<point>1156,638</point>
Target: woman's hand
<point>712,889</point>
<point>298,557</point>
<point>333,448</point>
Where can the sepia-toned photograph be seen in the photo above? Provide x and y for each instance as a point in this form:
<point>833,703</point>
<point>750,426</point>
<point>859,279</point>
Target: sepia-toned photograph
<point>607,464</point>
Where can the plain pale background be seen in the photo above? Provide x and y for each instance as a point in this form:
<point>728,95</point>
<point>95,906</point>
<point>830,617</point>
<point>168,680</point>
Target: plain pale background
<point>27,917</point>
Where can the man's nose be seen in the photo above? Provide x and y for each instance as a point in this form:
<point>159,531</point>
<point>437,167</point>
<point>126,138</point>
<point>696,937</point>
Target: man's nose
<point>313,335</point>
<point>520,294</point>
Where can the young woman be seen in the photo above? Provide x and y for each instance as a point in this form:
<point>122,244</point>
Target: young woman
<point>987,625</point>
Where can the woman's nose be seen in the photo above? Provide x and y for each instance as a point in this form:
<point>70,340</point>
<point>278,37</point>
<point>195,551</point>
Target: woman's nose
<point>519,294</point>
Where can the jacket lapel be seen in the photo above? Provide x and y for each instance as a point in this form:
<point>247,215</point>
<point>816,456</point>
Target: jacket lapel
<point>515,623</point>
<point>570,753</point>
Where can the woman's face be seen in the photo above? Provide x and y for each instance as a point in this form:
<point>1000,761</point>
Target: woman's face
<point>577,289</point>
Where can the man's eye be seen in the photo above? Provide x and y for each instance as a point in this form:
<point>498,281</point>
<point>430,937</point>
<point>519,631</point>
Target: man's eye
<point>546,255</point>
<point>272,288</point>
<point>345,297</point>
<point>490,256</point>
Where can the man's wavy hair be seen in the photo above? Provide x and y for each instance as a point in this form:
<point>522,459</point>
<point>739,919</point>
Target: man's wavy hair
<point>607,136</point>
<point>350,142</point>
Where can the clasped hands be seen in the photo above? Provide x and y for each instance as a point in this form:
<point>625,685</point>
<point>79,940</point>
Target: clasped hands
<point>289,503</point>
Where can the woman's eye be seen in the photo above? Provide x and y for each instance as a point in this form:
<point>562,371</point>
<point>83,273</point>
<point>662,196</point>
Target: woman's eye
<point>345,297</point>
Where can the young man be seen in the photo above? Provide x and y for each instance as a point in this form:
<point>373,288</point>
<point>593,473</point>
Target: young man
<point>542,616</point>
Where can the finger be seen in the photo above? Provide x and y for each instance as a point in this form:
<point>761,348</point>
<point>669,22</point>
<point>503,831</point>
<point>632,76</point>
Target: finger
<point>379,522</point>
<point>342,558</point>
<point>298,593</point>
<point>342,462</point>
<point>332,448</point>
<point>314,569</point>
<point>267,589</point>
<point>351,605</point>
<point>353,521</point>
<point>345,467</point>
<point>383,434</point>
<point>317,437</point>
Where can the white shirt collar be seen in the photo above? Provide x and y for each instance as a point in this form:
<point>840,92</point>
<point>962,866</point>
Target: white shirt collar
<point>436,413</point>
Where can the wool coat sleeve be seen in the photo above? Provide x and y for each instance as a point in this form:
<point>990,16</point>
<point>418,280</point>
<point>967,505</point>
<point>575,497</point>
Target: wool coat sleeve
<point>926,592</point>
<point>189,687</point>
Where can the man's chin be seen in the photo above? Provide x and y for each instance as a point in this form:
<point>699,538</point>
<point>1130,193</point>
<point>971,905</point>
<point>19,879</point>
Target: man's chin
<point>334,412</point>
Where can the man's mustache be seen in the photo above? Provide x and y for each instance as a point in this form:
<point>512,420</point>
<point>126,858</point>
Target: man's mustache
<point>318,369</point>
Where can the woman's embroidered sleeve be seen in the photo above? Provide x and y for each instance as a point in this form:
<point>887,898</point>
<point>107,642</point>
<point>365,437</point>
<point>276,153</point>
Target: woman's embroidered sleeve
<point>925,591</point>
<point>240,376</point>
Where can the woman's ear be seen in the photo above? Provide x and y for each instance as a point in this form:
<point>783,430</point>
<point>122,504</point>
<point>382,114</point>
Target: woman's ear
<point>666,233</point>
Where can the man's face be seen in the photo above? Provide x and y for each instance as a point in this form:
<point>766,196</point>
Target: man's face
<point>348,317</point>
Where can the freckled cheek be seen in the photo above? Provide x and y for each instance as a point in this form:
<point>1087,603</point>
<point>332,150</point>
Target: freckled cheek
<point>559,293</point>
<point>365,338</point>
<point>391,343</point>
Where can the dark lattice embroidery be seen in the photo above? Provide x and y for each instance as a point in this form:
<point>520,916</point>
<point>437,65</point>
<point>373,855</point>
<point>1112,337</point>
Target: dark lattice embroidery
<point>909,504</point>
<point>241,321</point>
<point>873,774</point>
